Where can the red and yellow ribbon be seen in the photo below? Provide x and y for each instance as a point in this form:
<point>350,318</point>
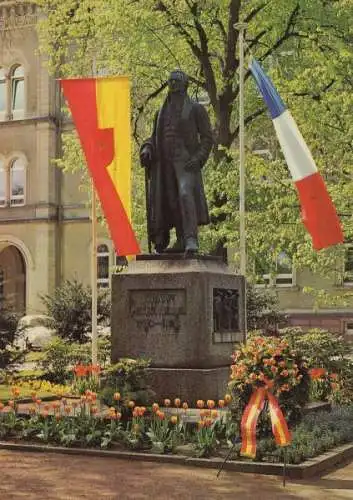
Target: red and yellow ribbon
<point>250,417</point>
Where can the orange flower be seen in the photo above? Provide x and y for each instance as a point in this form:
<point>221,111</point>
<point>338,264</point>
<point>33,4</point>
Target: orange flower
<point>208,422</point>
<point>80,370</point>
<point>221,403</point>
<point>334,376</point>
<point>38,401</point>
<point>167,402</point>
<point>131,404</point>
<point>274,369</point>
<point>46,407</point>
<point>58,416</point>
<point>282,364</point>
<point>253,376</point>
<point>94,410</point>
<point>44,414</point>
<point>33,396</point>
<point>160,415</point>
<point>285,388</point>
<point>1,406</point>
<point>67,410</point>
<point>284,373</point>
<point>227,398</point>
<point>201,424</point>
<point>200,403</point>
<point>118,415</point>
<point>31,410</point>
<point>155,407</point>
<point>317,373</point>
<point>117,396</point>
<point>11,403</point>
<point>95,369</point>
<point>210,403</point>
<point>174,419</point>
<point>203,413</point>
<point>185,405</point>
<point>214,413</point>
<point>56,405</point>
<point>334,386</point>
<point>15,391</point>
<point>177,402</point>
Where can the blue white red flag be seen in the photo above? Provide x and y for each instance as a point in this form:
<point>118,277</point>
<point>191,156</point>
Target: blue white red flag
<point>318,212</point>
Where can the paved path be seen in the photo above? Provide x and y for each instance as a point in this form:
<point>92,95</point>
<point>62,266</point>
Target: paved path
<point>61,477</point>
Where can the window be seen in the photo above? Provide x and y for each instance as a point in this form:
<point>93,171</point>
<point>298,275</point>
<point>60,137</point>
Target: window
<point>348,330</point>
<point>2,92</point>
<point>12,182</point>
<point>281,276</point>
<point>17,91</point>
<point>17,182</point>
<point>103,253</point>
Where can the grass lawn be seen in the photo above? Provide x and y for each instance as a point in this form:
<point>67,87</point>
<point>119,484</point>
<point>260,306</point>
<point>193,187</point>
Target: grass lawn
<point>34,356</point>
<point>6,394</point>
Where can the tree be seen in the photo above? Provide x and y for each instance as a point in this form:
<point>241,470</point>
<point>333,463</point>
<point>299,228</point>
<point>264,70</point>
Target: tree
<point>305,45</point>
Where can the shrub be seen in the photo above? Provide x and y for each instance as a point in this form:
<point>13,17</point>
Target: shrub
<point>271,363</point>
<point>57,357</point>
<point>328,351</point>
<point>9,354</point>
<point>128,376</point>
<point>70,310</point>
<point>263,311</point>
<point>60,356</point>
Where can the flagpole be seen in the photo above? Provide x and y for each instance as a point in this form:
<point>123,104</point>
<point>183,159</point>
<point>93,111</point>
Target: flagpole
<point>242,229</point>
<point>94,258</point>
<point>94,276</point>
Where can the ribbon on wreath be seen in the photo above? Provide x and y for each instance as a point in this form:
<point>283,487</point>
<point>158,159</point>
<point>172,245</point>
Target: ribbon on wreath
<point>250,417</point>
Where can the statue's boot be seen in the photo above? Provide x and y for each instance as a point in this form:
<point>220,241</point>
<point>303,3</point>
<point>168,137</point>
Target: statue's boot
<point>179,246</point>
<point>191,246</point>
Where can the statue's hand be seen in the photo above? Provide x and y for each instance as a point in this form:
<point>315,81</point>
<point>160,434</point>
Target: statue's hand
<point>192,165</point>
<point>146,157</point>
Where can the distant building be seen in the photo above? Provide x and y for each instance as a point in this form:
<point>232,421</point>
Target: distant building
<point>44,219</point>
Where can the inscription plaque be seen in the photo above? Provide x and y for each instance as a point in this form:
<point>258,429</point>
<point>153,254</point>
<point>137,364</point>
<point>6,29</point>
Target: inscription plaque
<point>157,311</point>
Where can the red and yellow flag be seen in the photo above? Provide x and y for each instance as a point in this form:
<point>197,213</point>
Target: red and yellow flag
<point>100,110</point>
<point>250,417</point>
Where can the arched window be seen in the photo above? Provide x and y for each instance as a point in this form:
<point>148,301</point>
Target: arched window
<point>2,184</point>
<point>2,92</point>
<point>17,90</point>
<point>103,266</point>
<point>17,182</point>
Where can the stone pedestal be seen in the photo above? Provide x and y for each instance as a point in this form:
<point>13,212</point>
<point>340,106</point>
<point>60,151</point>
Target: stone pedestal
<point>185,315</point>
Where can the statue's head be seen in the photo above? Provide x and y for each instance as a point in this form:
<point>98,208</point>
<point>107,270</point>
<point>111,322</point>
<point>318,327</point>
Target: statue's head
<point>178,81</point>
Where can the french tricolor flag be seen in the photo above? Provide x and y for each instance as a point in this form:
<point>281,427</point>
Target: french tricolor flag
<point>318,212</point>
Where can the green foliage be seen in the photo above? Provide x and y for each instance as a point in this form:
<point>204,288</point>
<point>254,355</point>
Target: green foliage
<point>129,377</point>
<point>60,356</point>
<point>307,49</point>
<point>263,312</point>
<point>70,310</point>
<point>9,353</point>
<point>323,349</point>
<point>56,360</point>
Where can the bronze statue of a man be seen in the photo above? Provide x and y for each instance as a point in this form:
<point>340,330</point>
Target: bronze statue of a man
<point>174,156</point>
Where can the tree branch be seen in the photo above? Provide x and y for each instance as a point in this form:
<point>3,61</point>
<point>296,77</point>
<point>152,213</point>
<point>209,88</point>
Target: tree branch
<point>317,95</point>
<point>288,32</point>
<point>230,59</point>
<point>247,120</point>
<point>141,108</point>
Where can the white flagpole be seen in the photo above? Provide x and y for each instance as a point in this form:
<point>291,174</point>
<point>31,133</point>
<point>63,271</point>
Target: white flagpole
<point>94,260</point>
<point>94,276</point>
<point>242,229</point>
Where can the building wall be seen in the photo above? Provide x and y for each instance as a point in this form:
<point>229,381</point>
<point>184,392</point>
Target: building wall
<point>52,230</point>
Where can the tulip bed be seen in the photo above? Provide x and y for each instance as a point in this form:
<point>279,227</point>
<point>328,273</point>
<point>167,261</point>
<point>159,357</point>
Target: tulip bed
<point>83,422</point>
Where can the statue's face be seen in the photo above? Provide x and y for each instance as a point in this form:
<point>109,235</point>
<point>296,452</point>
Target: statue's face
<point>177,82</point>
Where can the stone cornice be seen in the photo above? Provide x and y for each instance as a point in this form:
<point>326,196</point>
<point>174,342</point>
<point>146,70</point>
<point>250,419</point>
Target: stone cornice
<point>17,14</point>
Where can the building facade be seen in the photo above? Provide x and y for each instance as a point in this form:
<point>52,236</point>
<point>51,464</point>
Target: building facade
<point>45,230</point>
